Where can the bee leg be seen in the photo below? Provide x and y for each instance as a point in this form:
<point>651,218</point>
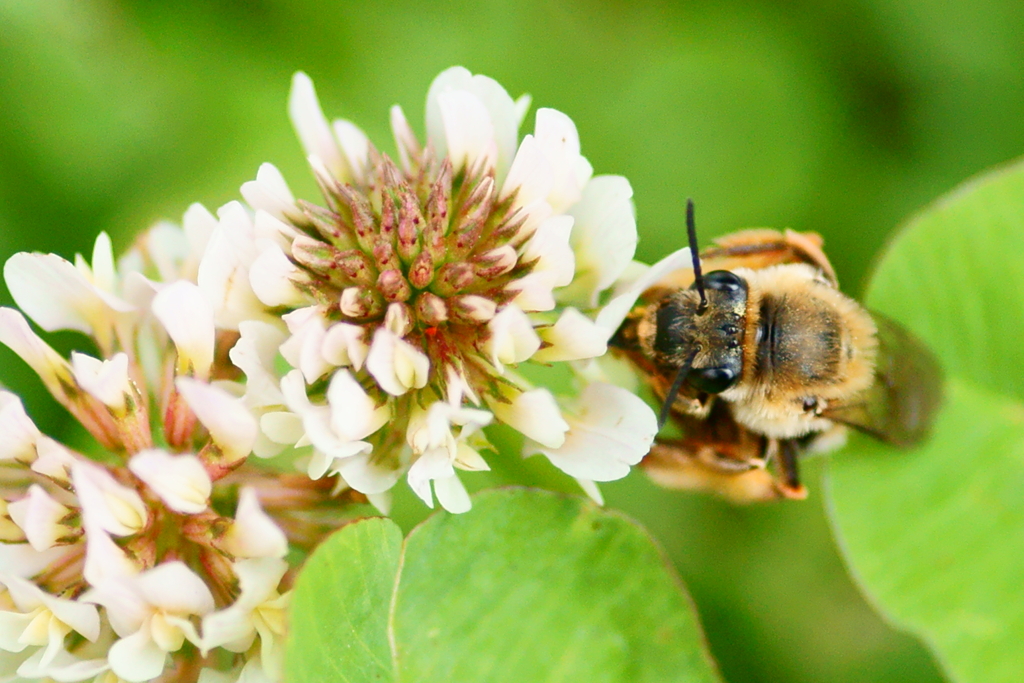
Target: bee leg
<point>684,465</point>
<point>789,472</point>
<point>714,458</point>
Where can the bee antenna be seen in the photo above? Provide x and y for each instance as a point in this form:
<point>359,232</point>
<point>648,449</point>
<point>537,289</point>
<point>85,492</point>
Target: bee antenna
<point>677,384</point>
<point>698,276</point>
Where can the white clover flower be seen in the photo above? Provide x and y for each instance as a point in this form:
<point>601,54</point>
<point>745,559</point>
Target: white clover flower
<point>41,620</point>
<point>150,612</point>
<point>259,612</point>
<point>137,533</point>
<point>426,282</point>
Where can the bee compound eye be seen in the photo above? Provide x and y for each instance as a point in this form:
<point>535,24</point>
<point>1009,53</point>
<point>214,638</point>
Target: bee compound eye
<point>723,280</point>
<point>712,380</point>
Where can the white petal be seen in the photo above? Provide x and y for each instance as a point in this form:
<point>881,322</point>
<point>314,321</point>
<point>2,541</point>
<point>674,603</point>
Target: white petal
<point>405,138</point>
<point>39,516</point>
<point>531,176</point>
<point>54,460</point>
<point>126,608</point>
<point>304,350</point>
<point>270,193</point>
<point>12,627</point>
<point>272,277</point>
<point>512,339</point>
<point>224,270</point>
<point>590,488</point>
<point>268,228</point>
<point>282,427</point>
<point>612,315</point>
<point>198,224</point>
<point>396,364</point>
<point>230,628</point>
<point>500,110</point>
<point>254,354</point>
<point>557,137</point>
<point>21,559</point>
<point>522,108</point>
<point>467,458</point>
<point>354,415</point>
<point>16,335</point>
<point>105,380</point>
<point>181,481</point>
<point>381,501</point>
<point>604,236</point>
<point>174,588</point>
<point>549,247</point>
<point>365,475</point>
<point>355,146</point>
<point>188,318</point>
<point>458,389</point>
<point>20,433</point>
<point>573,337</point>
<point>232,427</point>
<point>452,495</point>
<point>345,344</point>
<point>254,533</point>
<point>259,579</point>
<point>312,127</point>
<point>136,658</point>
<point>468,130</point>
<point>316,422</point>
<point>104,559</point>
<point>115,508</point>
<point>433,464</point>
<point>293,388</point>
<point>62,668</point>
<point>534,291</point>
<point>104,274</point>
<point>57,296</point>
<point>79,616</point>
<point>265,447</point>
<point>535,413</point>
<point>611,430</point>
<point>166,248</point>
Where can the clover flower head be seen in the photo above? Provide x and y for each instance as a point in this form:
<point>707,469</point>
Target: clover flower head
<point>415,289</point>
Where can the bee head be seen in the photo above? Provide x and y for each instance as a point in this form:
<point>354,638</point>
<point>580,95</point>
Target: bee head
<point>705,339</point>
<point>700,330</point>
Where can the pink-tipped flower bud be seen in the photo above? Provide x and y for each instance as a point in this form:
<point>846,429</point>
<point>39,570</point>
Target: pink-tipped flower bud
<point>385,256</point>
<point>360,303</point>
<point>410,228</point>
<point>393,286</point>
<point>472,309</point>
<point>496,262</point>
<point>421,272</point>
<point>398,319</point>
<point>431,309</point>
<point>454,277</point>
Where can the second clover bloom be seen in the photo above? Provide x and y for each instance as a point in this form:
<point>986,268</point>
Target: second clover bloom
<point>425,280</point>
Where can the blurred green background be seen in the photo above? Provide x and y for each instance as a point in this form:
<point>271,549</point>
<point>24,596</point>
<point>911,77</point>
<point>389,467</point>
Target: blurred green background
<point>839,117</point>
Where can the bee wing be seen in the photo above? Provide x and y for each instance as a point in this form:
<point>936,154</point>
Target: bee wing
<point>907,391</point>
<point>755,248</point>
<point>762,247</point>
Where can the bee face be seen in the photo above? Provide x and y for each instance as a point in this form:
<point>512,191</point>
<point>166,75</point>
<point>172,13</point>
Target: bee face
<point>709,337</point>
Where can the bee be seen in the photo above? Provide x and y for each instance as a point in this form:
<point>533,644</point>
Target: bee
<point>763,359</point>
